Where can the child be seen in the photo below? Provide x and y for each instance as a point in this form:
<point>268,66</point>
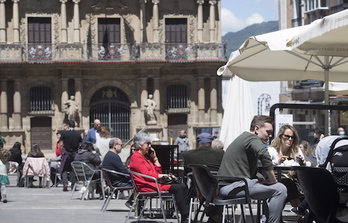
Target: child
<point>4,156</point>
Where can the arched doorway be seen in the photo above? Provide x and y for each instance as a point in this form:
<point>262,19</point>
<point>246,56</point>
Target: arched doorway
<point>111,106</point>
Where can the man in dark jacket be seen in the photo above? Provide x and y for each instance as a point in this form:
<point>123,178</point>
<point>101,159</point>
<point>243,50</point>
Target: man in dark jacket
<point>112,161</point>
<point>210,157</point>
<point>71,142</point>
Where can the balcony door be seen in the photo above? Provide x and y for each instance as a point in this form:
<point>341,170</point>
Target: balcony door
<point>109,38</point>
<point>39,38</point>
<point>176,38</point>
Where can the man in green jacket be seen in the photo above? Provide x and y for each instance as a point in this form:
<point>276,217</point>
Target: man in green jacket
<point>240,160</point>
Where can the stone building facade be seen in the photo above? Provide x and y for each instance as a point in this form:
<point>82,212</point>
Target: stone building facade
<point>110,56</point>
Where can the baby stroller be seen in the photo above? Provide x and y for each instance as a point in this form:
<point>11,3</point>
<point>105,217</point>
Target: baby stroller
<point>337,161</point>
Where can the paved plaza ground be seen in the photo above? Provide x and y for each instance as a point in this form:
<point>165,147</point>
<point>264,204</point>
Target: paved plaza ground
<point>36,205</point>
<point>39,205</point>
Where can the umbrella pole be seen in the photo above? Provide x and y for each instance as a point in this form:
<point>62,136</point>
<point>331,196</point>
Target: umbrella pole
<point>326,102</point>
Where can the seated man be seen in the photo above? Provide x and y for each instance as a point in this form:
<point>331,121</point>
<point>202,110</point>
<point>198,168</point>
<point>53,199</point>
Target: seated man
<point>240,160</point>
<point>112,161</point>
<point>210,157</point>
<point>204,154</point>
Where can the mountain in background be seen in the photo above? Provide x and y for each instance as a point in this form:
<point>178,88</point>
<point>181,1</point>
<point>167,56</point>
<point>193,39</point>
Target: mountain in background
<point>235,39</point>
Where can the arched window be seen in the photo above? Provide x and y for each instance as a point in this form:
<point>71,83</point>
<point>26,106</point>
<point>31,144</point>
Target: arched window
<point>111,106</point>
<point>40,99</point>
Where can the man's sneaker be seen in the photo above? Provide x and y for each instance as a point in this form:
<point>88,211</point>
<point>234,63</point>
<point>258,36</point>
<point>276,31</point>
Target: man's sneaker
<point>295,210</point>
<point>121,196</point>
<point>83,189</point>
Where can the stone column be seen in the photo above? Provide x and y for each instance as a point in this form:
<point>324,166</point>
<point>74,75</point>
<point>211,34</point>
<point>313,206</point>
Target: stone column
<point>156,97</point>
<point>155,16</point>
<point>76,21</point>
<point>78,99</point>
<point>15,21</point>
<point>213,101</point>
<point>144,94</point>
<point>3,105</point>
<point>201,100</point>
<point>212,20</point>
<point>2,22</point>
<point>17,123</point>
<point>142,20</point>
<point>64,37</point>
<point>200,20</point>
<point>65,96</point>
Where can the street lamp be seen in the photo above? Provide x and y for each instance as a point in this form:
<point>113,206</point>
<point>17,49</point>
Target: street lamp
<point>263,99</point>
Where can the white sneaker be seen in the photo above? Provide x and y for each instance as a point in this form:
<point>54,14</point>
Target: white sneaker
<point>122,196</point>
<point>82,190</point>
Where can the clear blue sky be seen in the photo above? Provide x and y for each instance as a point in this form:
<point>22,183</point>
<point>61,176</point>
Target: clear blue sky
<point>238,14</point>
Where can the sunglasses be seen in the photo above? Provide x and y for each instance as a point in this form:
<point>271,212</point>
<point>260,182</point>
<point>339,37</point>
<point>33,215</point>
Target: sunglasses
<point>120,144</point>
<point>148,143</point>
<point>288,137</point>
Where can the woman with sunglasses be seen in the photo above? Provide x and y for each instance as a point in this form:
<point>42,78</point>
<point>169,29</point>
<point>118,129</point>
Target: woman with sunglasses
<point>284,151</point>
<point>144,160</point>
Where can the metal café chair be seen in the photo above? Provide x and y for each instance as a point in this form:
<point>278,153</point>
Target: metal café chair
<point>79,169</point>
<point>162,196</point>
<point>112,189</point>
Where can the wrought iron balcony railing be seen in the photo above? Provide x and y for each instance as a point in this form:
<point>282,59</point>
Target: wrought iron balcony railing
<point>112,52</point>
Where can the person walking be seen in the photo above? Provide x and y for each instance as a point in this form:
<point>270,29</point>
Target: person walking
<point>4,180</point>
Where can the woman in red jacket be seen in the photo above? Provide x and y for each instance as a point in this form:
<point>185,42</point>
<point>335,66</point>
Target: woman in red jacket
<point>145,162</point>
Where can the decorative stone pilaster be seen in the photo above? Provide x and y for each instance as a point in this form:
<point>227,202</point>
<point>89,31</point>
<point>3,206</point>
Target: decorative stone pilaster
<point>143,96</point>
<point>15,21</point>
<point>17,105</point>
<point>64,97</point>
<point>155,21</point>
<point>76,21</point>
<point>78,99</point>
<point>64,33</point>
<point>3,105</point>
<point>200,20</point>
<point>212,20</point>
<point>157,98</point>
<point>201,100</point>
<point>2,22</point>
<point>213,101</point>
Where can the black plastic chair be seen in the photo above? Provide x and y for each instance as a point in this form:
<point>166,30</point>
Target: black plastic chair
<point>320,191</point>
<point>196,201</point>
<point>207,184</point>
<point>112,189</point>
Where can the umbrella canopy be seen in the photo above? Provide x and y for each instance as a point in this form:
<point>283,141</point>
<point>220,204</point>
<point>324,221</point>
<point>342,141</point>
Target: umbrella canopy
<point>317,51</point>
<point>238,110</point>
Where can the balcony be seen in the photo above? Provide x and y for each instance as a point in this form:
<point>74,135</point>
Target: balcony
<point>316,5</point>
<point>42,53</point>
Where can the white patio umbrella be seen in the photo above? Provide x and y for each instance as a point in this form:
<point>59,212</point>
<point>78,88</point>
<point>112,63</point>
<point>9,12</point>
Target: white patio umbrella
<point>238,110</point>
<point>317,51</point>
